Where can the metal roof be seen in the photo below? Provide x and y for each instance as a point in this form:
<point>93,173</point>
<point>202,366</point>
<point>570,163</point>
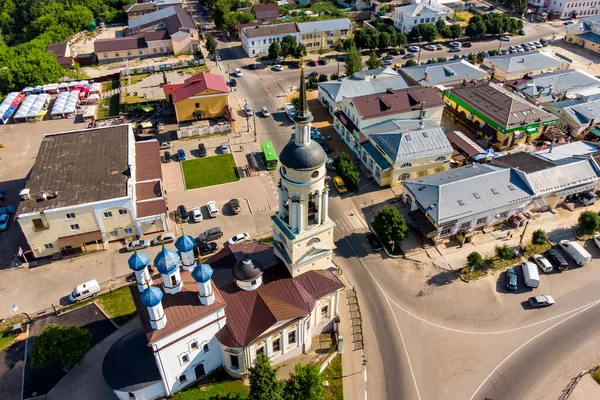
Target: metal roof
<point>581,111</point>
<point>325,25</point>
<point>397,101</point>
<point>573,172</point>
<point>590,36</point>
<point>376,156</point>
<point>353,87</point>
<point>556,83</point>
<point>525,62</point>
<point>415,10</point>
<point>151,17</point>
<point>270,30</point>
<point>399,126</point>
<point>414,145</point>
<point>440,73</point>
<point>568,150</point>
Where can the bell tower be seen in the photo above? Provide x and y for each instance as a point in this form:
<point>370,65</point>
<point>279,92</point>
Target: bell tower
<point>302,230</point>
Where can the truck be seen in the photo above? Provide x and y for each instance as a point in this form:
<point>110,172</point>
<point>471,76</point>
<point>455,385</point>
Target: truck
<point>576,252</point>
<point>531,276</point>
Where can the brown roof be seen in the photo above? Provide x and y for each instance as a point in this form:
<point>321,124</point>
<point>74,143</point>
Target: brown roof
<point>457,139</point>
<point>397,101</point>
<point>271,30</point>
<point>156,35</point>
<point>58,49</point>
<point>148,190</point>
<point>81,167</point>
<point>151,208</point>
<point>79,239</point>
<point>181,20</point>
<point>266,11</point>
<point>137,7</point>
<point>121,43</point>
<point>147,161</point>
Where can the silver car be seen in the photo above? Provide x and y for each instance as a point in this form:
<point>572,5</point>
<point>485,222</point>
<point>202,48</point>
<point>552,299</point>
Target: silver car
<point>165,238</point>
<point>265,112</point>
<point>224,148</point>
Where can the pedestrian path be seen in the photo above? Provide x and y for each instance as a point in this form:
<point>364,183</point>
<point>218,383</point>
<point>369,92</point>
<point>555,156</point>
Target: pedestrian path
<point>351,221</point>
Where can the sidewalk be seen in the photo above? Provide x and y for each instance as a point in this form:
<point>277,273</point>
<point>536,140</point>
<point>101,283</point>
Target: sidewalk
<point>586,389</point>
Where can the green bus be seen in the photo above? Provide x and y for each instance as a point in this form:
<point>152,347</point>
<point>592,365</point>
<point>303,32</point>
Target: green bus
<point>269,155</point>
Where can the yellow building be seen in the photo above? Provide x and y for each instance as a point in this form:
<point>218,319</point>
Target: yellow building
<point>201,96</point>
<point>324,34</point>
<point>91,187</point>
<point>588,40</point>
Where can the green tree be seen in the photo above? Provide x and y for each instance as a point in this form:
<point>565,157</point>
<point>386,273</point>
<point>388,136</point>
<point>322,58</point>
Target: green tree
<point>349,44</point>
<point>373,62</point>
<point>289,46</point>
<point>220,12</point>
<point>474,260</point>
<point>385,41</point>
<point>367,38</point>
<point>305,383</point>
<point>237,17</point>
<point>301,51</point>
<point>264,384</point>
<point>384,9</point>
<point>476,28</point>
<point>334,77</point>
<point>456,31</point>
<point>445,32</point>
<point>353,62</point>
<point>410,63</point>
<point>389,225</point>
<point>57,344</point>
<point>274,51</point>
<point>440,24</point>
<point>539,237</point>
<point>428,32</point>
<point>295,102</point>
<point>211,44</point>
<point>323,78</point>
<point>589,222</point>
<point>504,252</point>
<point>415,33</point>
<point>339,47</point>
<point>401,39</point>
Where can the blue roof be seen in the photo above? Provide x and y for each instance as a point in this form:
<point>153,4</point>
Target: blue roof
<point>151,296</point>
<point>185,243</point>
<point>138,261</point>
<point>202,273</point>
<point>590,36</point>
<point>377,156</point>
<point>166,261</point>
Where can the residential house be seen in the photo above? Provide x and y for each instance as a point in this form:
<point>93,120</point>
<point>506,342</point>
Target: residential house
<point>556,86</point>
<point>501,117</point>
<point>450,73</point>
<point>324,34</point>
<point>578,116</point>
<point>201,96</point>
<point>425,12</point>
<point>63,53</point>
<point>362,83</point>
<point>91,187</point>
<point>257,39</point>
<point>265,12</point>
<point>138,9</point>
<point>586,32</point>
<point>516,66</point>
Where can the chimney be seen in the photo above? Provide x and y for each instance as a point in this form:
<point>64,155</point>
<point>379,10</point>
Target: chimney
<point>138,262</point>
<point>425,76</point>
<point>152,299</point>
<point>552,146</point>
<point>422,110</point>
<point>202,274</point>
<point>25,194</point>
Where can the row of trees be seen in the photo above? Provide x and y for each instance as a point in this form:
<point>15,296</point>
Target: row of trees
<point>429,32</point>
<point>370,39</point>
<point>492,24</point>
<point>288,47</point>
<point>347,170</point>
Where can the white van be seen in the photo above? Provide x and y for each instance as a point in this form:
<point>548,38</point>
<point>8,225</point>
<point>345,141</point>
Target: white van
<point>576,252</point>
<point>531,276</point>
<point>84,291</point>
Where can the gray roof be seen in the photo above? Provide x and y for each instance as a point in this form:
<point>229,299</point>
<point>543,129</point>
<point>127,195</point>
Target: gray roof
<point>581,111</point>
<point>554,84</point>
<point>414,10</point>
<point>399,126</point>
<point>440,73</point>
<point>568,150</point>
<point>413,145</point>
<point>352,87</point>
<point>469,190</point>
<point>377,73</point>
<point>247,269</point>
<point>325,25</point>
<point>302,158</point>
<point>270,30</point>
<point>525,62</point>
<point>573,172</point>
<point>151,17</point>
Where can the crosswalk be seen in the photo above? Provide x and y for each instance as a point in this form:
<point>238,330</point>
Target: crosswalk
<point>350,221</point>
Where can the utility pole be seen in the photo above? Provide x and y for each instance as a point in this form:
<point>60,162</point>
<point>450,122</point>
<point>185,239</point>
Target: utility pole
<point>254,123</point>
<point>523,234</point>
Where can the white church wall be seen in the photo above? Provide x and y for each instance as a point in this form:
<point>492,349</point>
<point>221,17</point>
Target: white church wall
<point>151,392</point>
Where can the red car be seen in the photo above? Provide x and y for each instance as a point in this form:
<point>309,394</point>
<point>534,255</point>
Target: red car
<point>312,63</point>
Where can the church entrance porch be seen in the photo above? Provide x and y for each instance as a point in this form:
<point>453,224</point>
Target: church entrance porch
<point>322,346</point>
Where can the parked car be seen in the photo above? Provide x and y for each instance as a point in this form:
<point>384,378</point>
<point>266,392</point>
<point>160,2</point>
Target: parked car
<point>233,82</point>
<point>201,150</point>
<point>204,248</point>
<point>137,245</point>
<point>401,52</point>
<point>544,42</point>
<point>181,155</point>
<point>557,259</point>
<point>4,219</point>
<point>429,47</point>
<point>597,240</point>
<point>84,291</point>
<point>322,61</point>
<point>454,44</point>
<point>234,204</point>
<point>167,157</point>
<point>467,44</point>
<point>374,242</point>
<point>327,148</point>
<point>454,50</point>
<point>238,72</point>
<point>439,46</point>
<point>213,210</point>
<point>239,238</point>
<point>210,235</point>
<point>414,49</point>
<point>341,57</point>
<point>224,148</point>
<point>278,67</point>
<point>2,194</point>
<point>197,214</point>
<point>388,57</point>
<point>538,45</point>
<point>531,275</point>
<point>265,111</point>
<point>329,164</point>
<point>577,253</point>
<point>521,32</point>
<point>252,67</point>
<point>541,301</point>
<point>183,213</point>
<point>408,55</point>
<point>165,145</point>
<point>163,238</point>
<point>312,74</point>
<point>505,38</point>
<point>386,62</point>
<point>520,49</point>
<point>339,184</point>
<point>542,263</point>
<point>511,279</point>
<point>568,23</point>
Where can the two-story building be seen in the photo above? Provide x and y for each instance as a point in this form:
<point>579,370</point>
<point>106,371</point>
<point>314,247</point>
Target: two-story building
<point>63,53</point>
<point>324,34</point>
<point>91,187</point>
<point>516,66</point>
<point>566,9</point>
<point>585,33</point>
<point>425,12</point>
<point>450,73</point>
<point>257,39</point>
<point>578,116</point>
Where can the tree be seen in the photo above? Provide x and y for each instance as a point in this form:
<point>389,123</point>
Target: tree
<point>57,344</point>
<point>295,102</point>
<point>305,383</point>
<point>445,32</point>
<point>589,222</point>
<point>274,51</point>
<point>301,51</point>
<point>211,44</point>
<point>334,77</point>
<point>428,32</point>
<point>289,46</point>
<point>539,237</point>
<point>456,31</point>
<point>401,39</point>
<point>339,47</point>
<point>389,225</point>
<point>264,384</point>
<point>504,252</point>
<point>373,62</point>
<point>353,62</point>
<point>323,78</point>
<point>385,41</point>
<point>349,44</point>
<point>440,24</point>
<point>384,9</point>
<point>415,33</point>
<point>476,28</point>
<point>410,63</point>
<point>474,260</point>
<point>367,38</point>
<point>237,17</point>
<point>220,12</point>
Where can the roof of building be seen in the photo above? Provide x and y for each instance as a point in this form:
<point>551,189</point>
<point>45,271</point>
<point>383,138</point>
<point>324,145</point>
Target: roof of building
<point>464,143</point>
<point>578,26</point>
<point>469,190</point>
<point>525,162</point>
<point>147,161</point>
<point>325,25</point>
<point>265,11</point>
<point>120,43</point>
<point>440,73</point>
<point>549,86</point>
<point>299,157</point>
<point>148,176</point>
<point>525,62</point>
<point>151,296</point>
<point>590,37</point>
<point>196,84</point>
<point>377,73</point>
<point>414,10</point>
<point>568,150</point>
<point>202,273</point>
<point>166,261</point>
<point>138,261</point>
<point>247,269</point>
<point>270,30</point>
<point>156,35</point>
<point>399,126</point>
<point>80,167</point>
<point>58,49</point>
<point>500,106</point>
<point>185,243</point>
<point>582,111</point>
<point>376,155</point>
<point>353,87</point>
<point>397,101</point>
<point>138,7</point>
<point>174,18</point>
<point>413,145</point>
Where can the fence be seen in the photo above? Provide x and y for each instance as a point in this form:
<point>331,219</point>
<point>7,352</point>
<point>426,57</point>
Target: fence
<point>163,67</point>
<point>355,319</point>
<point>205,130</point>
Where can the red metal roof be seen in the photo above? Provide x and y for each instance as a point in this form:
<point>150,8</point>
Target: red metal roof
<point>265,11</point>
<point>397,101</point>
<point>199,83</point>
<point>151,208</point>
<point>147,161</point>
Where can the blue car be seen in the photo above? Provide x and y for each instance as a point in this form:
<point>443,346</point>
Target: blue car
<point>3,221</point>
<point>511,279</point>
<point>181,155</point>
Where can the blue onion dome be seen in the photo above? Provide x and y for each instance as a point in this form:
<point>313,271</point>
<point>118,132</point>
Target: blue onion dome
<point>202,273</point>
<point>151,296</point>
<point>138,261</point>
<point>185,243</point>
<point>166,261</point>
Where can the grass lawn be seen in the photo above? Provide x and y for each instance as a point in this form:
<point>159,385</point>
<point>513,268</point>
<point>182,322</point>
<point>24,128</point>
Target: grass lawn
<point>209,171</point>
<point>118,305</point>
<point>596,375</point>
<point>134,79</point>
<point>333,375</point>
<point>223,388</point>
<point>110,85</point>
<point>6,338</point>
<point>108,107</point>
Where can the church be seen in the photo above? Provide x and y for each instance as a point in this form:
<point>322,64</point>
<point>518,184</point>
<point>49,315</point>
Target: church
<point>245,300</point>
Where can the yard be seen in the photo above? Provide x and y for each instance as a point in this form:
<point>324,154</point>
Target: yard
<point>209,171</point>
<point>118,305</point>
<point>7,336</point>
<point>333,375</point>
<point>222,388</point>
<point>108,107</point>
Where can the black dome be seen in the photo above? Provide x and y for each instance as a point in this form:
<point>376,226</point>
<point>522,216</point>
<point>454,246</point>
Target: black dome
<point>302,157</point>
<point>247,269</point>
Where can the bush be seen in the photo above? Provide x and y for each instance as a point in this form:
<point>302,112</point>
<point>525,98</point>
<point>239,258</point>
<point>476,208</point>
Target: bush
<point>504,253</point>
<point>323,78</point>
<point>57,344</point>
<point>334,77</point>
<point>539,237</point>
<point>474,260</point>
<point>389,225</point>
<point>589,222</point>
<point>347,170</point>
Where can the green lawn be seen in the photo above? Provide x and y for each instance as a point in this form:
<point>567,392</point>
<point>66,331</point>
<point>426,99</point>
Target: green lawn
<point>108,107</point>
<point>118,305</point>
<point>333,375</point>
<point>209,171</point>
<point>6,338</point>
<point>110,85</point>
<point>223,388</point>
<point>596,375</point>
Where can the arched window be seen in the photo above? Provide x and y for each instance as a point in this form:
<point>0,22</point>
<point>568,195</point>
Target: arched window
<point>406,165</point>
<point>440,159</point>
<point>404,177</point>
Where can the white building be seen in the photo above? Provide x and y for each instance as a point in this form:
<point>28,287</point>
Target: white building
<point>425,12</point>
<point>257,39</point>
<point>567,9</point>
<point>247,299</point>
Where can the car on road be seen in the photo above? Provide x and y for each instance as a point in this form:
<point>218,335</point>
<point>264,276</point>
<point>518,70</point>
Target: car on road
<point>167,157</point>
<point>165,145</point>
<point>429,47</point>
<point>212,208</point>
<point>197,214</point>
<point>204,248</point>
<point>239,238</point>
<point>201,150</point>
<point>322,61</point>
<point>312,63</point>
<point>542,263</point>
<point>265,112</point>
<point>234,204</point>
<point>248,110</point>
<point>4,219</point>
<point>165,238</point>
<point>557,259</point>
<point>137,245</point>
<point>278,67</point>
<point>252,67</point>
<point>183,213</point>
<point>467,44</point>
<point>210,235</point>
<point>454,44</point>
<point>409,55</point>
<point>374,242</point>
<point>312,74</point>
<point>181,155</point>
<point>505,38</point>
<point>541,301</point>
<point>339,184</point>
<point>387,57</point>
<point>414,49</point>
<point>224,148</point>
<point>401,52</point>
<point>454,50</point>
<point>238,72</point>
<point>329,164</point>
<point>511,279</point>
<point>386,62</point>
<point>233,82</point>
<point>521,32</point>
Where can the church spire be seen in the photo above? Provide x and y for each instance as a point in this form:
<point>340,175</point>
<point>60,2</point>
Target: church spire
<point>303,111</point>
<point>303,115</point>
